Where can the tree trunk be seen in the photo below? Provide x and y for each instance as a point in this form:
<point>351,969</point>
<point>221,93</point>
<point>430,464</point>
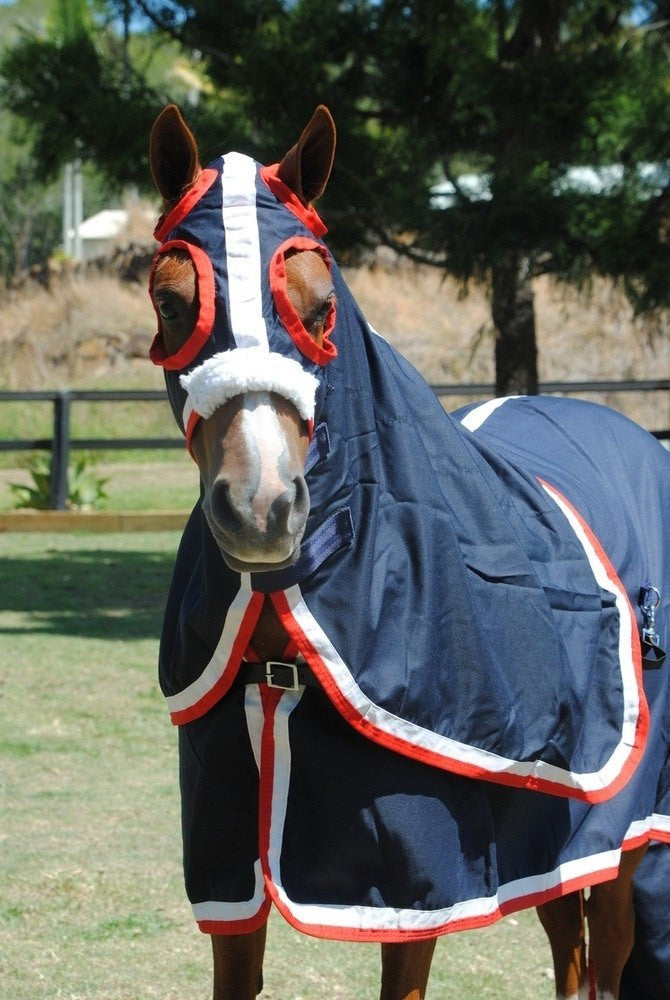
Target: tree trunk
<point>514,320</point>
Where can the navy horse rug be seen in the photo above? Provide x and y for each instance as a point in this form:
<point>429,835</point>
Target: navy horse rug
<point>473,713</point>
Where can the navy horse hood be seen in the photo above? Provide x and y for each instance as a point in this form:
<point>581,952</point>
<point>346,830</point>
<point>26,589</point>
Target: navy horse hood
<point>238,310</point>
<point>453,601</point>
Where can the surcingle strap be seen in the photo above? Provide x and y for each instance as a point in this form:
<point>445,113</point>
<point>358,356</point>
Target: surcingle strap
<point>319,447</point>
<point>276,674</point>
<point>334,534</point>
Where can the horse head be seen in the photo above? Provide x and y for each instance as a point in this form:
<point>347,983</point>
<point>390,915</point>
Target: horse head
<point>244,298</point>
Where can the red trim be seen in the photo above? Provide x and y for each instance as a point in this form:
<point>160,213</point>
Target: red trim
<point>320,354</point>
<point>642,724</point>
<point>400,745</point>
<point>189,430</point>
<point>588,880</point>
<point>246,926</point>
<point>630,843</point>
<point>503,909</point>
<point>221,686</point>
<point>270,698</point>
<point>202,183</point>
<point>206,300</point>
<point>307,214</point>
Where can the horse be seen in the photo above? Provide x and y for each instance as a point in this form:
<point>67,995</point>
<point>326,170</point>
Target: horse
<point>415,658</point>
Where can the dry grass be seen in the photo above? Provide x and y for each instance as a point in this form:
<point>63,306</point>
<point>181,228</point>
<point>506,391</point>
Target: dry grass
<point>88,331</point>
<point>582,335</point>
<point>91,330</point>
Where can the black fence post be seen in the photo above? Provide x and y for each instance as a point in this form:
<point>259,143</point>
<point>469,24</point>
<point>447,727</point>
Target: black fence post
<point>60,451</point>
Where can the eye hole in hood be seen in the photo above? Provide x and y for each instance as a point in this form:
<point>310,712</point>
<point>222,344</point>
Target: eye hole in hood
<point>205,291</point>
<point>319,353</point>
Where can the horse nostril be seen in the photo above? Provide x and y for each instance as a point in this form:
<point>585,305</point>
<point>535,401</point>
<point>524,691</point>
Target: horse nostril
<point>220,506</point>
<point>253,529</point>
<point>299,507</point>
<point>288,512</point>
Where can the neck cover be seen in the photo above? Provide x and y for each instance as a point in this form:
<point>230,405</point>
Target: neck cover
<point>466,595</point>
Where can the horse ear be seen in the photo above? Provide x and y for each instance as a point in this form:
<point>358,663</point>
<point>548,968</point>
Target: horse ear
<point>307,165</point>
<point>173,155</point>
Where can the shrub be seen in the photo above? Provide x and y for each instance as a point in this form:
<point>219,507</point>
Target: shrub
<point>85,488</point>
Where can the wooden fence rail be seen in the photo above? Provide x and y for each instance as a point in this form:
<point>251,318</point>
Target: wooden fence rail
<point>61,443</point>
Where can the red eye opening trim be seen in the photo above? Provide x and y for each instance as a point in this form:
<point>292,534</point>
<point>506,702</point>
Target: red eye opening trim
<point>321,354</point>
<point>203,327</point>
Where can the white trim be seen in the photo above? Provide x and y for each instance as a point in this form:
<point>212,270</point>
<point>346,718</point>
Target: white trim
<point>387,918</point>
<point>630,694</point>
<point>227,911</point>
<point>253,710</point>
<point>243,910</point>
<point>660,823</point>
<point>483,909</point>
<point>477,416</point>
<point>281,780</point>
<point>244,370</point>
<point>449,749</point>
<point>216,667</point>
<point>243,254</point>
<point>639,828</point>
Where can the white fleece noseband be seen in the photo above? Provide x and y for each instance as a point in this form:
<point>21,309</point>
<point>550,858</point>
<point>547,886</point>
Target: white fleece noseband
<point>249,369</point>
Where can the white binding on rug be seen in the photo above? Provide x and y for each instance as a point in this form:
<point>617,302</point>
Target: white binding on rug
<point>249,369</point>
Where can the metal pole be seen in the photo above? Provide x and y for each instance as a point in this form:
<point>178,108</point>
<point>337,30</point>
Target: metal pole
<point>78,210</point>
<point>67,210</point>
<point>60,451</point>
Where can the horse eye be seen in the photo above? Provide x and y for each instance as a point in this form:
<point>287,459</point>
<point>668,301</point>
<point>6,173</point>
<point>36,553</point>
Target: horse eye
<point>320,316</point>
<point>167,309</point>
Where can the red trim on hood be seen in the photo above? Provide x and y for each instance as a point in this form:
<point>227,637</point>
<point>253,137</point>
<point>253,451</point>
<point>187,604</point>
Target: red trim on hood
<point>206,299</point>
<point>320,354</point>
<point>202,183</point>
<point>307,214</point>
<point>194,418</point>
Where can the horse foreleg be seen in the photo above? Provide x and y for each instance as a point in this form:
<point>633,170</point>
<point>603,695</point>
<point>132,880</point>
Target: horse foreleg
<point>563,922</point>
<point>238,965</point>
<point>405,969</point>
<point>611,920</point>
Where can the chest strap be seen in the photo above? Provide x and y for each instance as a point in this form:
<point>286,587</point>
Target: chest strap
<point>276,674</point>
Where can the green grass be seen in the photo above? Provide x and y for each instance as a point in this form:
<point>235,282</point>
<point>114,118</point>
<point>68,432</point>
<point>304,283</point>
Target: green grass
<point>91,899</point>
<point>137,479</point>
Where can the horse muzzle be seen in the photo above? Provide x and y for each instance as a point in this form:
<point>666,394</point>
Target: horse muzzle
<point>257,532</point>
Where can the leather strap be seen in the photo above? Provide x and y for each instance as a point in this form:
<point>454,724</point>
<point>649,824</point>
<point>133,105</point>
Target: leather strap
<point>277,674</point>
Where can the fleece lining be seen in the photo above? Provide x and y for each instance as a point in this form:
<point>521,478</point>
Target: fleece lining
<point>249,369</point>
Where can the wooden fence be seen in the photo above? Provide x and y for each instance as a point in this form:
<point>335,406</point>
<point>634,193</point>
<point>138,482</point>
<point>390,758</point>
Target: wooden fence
<point>61,443</point>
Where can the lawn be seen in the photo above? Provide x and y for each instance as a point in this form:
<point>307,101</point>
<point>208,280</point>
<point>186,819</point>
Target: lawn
<point>91,902</point>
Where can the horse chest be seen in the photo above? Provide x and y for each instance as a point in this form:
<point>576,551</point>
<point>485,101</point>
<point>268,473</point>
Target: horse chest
<point>269,639</point>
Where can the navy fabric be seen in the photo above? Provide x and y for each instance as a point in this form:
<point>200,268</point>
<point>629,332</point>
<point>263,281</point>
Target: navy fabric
<point>647,972</point>
<point>461,560</point>
<point>202,228</point>
<point>454,621</point>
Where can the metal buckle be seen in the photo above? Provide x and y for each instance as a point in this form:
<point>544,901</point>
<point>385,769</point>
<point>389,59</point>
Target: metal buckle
<point>293,683</point>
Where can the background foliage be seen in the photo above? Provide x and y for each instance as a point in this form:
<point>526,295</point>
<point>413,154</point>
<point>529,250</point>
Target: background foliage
<point>516,93</point>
